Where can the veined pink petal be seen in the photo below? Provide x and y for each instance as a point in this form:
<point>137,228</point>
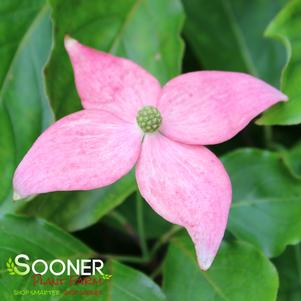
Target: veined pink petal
<point>85,150</point>
<point>111,83</point>
<point>187,185</point>
<point>209,107</point>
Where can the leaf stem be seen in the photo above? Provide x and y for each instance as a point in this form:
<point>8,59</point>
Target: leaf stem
<point>150,254</point>
<point>164,238</point>
<point>268,136</point>
<point>140,226</point>
<point>157,271</point>
<point>132,259</point>
<point>124,223</point>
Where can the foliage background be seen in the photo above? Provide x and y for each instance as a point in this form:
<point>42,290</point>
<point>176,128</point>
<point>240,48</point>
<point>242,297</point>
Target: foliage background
<point>260,258</point>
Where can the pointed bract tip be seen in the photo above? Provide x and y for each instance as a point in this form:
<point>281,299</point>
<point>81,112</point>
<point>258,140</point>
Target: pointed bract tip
<point>16,196</point>
<point>284,97</point>
<point>205,264</point>
<point>69,42</point>
<point>204,257</point>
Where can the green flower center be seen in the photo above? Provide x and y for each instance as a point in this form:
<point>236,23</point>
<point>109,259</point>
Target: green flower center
<point>149,119</point>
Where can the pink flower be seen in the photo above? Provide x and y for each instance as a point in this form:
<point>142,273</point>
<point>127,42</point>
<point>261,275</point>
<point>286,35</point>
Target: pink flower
<point>128,118</point>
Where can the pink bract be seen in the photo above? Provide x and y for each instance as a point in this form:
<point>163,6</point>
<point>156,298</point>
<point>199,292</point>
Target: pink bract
<point>181,180</point>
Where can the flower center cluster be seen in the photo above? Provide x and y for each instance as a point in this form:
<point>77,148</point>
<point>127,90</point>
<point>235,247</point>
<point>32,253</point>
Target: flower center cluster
<point>149,119</point>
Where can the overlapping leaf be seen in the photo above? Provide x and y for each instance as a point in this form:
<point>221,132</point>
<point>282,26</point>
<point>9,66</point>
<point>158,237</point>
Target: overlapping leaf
<point>41,240</point>
<point>286,28</point>
<point>228,35</point>
<point>250,43</point>
<point>292,158</point>
<point>128,284</point>
<point>25,38</point>
<point>38,240</point>
<point>266,205</point>
<point>77,210</point>
<point>239,272</point>
<point>289,268</point>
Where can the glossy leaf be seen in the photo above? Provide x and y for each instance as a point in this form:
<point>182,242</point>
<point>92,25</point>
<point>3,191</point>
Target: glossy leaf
<point>128,284</point>
<point>239,272</point>
<point>75,210</point>
<point>228,35</point>
<point>39,240</point>
<point>24,107</point>
<point>266,204</point>
<point>289,268</point>
<point>50,242</point>
<point>286,29</point>
<point>118,27</point>
<point>292,158</point>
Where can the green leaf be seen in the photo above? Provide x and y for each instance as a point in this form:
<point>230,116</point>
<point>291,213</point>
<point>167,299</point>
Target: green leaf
<point>286,28</point>
<point>266,205</point>
<point>239,272</point>
<point>289,268</point>
<point>228,35</point>
<point>41,240</point>
<point>77,210</point>
<point>128,284</point>
<point>25,38</point>
<point>292,159</point>
<point>145,31</point>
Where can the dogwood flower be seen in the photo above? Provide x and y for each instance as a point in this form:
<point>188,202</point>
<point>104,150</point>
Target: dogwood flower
<point>128,119</point>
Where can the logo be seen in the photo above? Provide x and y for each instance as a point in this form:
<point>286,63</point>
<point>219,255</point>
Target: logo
<point>11,268</point>
<point>58,277</point>
<point>22,265</point>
